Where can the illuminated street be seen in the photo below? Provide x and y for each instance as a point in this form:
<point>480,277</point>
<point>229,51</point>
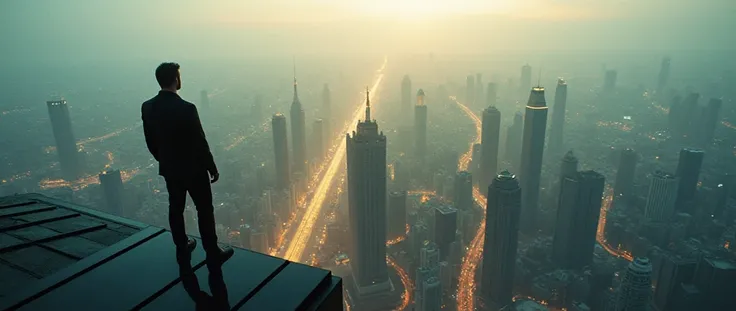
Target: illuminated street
<point>303,233</point>
<point>405,280</point>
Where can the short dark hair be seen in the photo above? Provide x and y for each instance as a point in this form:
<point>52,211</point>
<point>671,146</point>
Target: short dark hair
<point>166,74</point>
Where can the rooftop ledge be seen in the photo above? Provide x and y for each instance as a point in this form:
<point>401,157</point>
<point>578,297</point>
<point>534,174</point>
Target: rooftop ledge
<point>55,255</point>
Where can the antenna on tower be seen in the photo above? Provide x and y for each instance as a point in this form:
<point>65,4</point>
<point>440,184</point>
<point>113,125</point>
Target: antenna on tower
<point>367,97</point>
<point>293,61</point>
<point>539,78</point>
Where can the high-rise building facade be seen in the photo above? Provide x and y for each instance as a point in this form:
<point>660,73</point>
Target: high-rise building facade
<point>558,116</point>
<point>501,240</point>
<point>532,151</point>
<point>513,141</point>
<point>636,285</point>
<point>710,120</point>
<point>463,191</point>
<point>489,143</point>
<point>577,219</point>
<point>420,126</point>
<point>664,75</point>
<point>491,94</point>
<point>625,174</point>
<point>327,114</point>
<point>673,271</point>
<point>112,187</point>
<point>281,151</point>
<point>396,214</point>
<point>470,90</point>
<point>298,134</point>
<point>609,83</point>
<point>688,170</point>
<point>525,81</point>
<point>445,226</point>
<point>66,145</point>
<point>366,162</point>
<point>662,196</point>
<point>406,92</point>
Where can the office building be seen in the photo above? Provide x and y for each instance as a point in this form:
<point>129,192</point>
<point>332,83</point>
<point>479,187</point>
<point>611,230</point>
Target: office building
<point>429,256</point>
<point>501,240</point>
<point>445,218</point>
<point>535,126</point>
<point>715,279</point>
<point>673,271</point>
<point>491,94</point>
<point>298,134</point>
<point>420,127</point>
<point>66,145</point>
<point>513,141</point>
<point>625,174</point>
<point>577,219</point>
<point>664,75</point>
<point>662,196</point>
<point>470,91</point>
<point>366,162</point>
<point>318,143</point>
<point>558,117</point>
<point>281,151</point>
<point>418,235</point>
<point>710,120</point>
<point>463,191</point>
<point>431,295</point>
<point>327,115</point>
<point>636,285</point>
<point>525,82</point>
<point>688,170</point>
<point>112,187</point>
<point>244,236</point>
<point>406,92</point>
<point>489,143</point>
<point>397,214</point>
<point>609,83</point>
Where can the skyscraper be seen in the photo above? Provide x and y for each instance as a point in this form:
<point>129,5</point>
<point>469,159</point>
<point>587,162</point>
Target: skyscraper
<point>489,144</point>
<point>431,295</point>
<point>204,99</point>
<point>513,141</point>
<point>662,195</point>
<point>366,162</point>
<point>609,83</point>
<point>112,186</point>
<point>535,125</point>
<point>66,145</point>
<point>664,75</point>
<point>688,170</point>
<point>491,94</point>
<point>406,92</point>
<point>463,191</point>
<point>445,226</point>
<point>634,290</point>
<point>470,90</point>
<point>318,140</point>
<point>674,270</point>
<point>577,219</point>
<point>396,214</point>
<point>568,168</point>
<point>298,134</point>
<point>479,92</point>
<point>420,126</point>
<point>558,116</point>
<point>525,82</point>
<point>281,151</point>
<point>501,240</point>
<point>710,120</point>
<point>625,173</point>
<point>327,114</point>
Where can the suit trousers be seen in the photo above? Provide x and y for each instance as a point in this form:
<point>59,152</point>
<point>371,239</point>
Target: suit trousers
<point>199,188</point>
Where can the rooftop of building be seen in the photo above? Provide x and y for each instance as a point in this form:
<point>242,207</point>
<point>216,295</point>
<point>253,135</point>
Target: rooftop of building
<point>56,255</point>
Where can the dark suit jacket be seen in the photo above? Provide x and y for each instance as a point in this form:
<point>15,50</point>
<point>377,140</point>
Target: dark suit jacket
<point>175,137</point>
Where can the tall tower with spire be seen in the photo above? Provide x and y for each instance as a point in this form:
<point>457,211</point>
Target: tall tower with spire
<point>298,132</point>
<point>558,116</point>
<point>420,126</point>
<point>367,196</point>
<point>532,150</point>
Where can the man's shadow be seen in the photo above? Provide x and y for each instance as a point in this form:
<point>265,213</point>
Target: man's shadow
<point>202,300</point>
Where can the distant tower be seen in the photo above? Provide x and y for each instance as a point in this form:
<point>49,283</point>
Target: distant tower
<point>397,214</point>
<point>558,116</point>
<point>327,114</point>
<point>281,151</point>
<point>66,145</point>
<point>525,82</point>
<point>688,170</point>
<point>501,240</point>
<point>112,186</point>
<point>445,226</point>
<point>625,174</point>
<point>298,134</point>
<point>636,284</point>
<point>479,89</point>
<point>420,126</point>
<point>463,191</point>
<point>674,271</point>
<point>489,144</point>
<point>568,168</point>
<point>664,75</point>
<point>204,98</point>
<point>662,195</point>
<point>513,141</point>
<point>609,84</point>
<point>318,139</point>
<point>710,120</point>
<point>535,125</point>
<point>245,236</point>
<point>406,92</point>
<point>366,162</point>
<point>577,219</point>
<point>491,94</point>
<point>470,90</point>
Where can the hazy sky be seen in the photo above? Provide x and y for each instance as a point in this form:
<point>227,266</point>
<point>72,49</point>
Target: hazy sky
<point>79,30</point>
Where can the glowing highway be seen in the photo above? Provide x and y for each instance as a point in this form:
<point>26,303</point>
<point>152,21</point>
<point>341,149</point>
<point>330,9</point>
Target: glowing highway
<point>303,234</point>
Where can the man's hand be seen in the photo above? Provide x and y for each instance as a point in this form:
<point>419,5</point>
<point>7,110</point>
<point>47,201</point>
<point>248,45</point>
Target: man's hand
<point>215,177</point>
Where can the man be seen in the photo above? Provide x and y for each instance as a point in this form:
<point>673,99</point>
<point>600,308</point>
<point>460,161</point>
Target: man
<point>176,140</point>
